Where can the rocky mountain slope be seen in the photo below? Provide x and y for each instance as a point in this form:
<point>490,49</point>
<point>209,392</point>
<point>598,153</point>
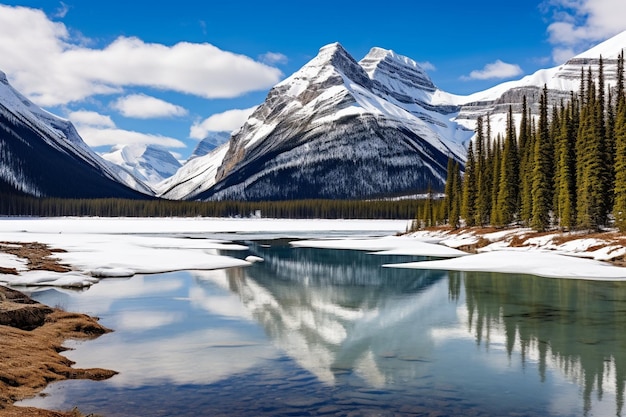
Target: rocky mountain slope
<point>43,155</point>
<point>150,164</point>
<point>338,128</point>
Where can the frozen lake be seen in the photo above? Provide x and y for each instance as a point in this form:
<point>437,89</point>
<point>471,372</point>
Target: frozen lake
<point>317,331</point>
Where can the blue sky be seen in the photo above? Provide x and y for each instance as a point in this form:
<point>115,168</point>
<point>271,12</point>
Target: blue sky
<point>146,72</point>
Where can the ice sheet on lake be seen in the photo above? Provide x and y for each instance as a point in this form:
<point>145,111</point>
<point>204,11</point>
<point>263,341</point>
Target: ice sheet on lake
<point>535,262</point>
<point>390,245</point>
<point>119,247</point>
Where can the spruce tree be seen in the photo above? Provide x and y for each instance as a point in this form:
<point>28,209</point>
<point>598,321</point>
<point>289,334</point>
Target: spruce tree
<point>619,193</point>
<point>483,176</point>
<point>565,169</point>
<point>526,162</point>
<point>508,193</point>
<point>541,184</point>
<point>468,206</point>
<point>457,191</point>
<point>496,209</point>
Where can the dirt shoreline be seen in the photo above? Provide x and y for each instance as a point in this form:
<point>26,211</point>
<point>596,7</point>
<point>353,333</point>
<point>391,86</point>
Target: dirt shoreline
<point>32,337</point>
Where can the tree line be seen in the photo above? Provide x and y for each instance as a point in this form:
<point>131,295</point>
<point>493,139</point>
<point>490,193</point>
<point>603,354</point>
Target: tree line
<point>564,168</point>
<point>22,205</point>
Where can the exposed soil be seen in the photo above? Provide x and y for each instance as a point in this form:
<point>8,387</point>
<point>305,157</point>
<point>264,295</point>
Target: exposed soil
<point>32,337</point>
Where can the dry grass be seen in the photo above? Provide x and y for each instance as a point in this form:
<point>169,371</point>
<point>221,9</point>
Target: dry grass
<point>38,255</point>
<point>32,337</point>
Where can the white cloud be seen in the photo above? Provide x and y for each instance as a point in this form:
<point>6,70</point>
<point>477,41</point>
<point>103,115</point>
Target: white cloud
<point>61,12</point>
<point>94,136</point>
<point>273,58</point>
<point>427,66</point>
<point>497,69</point>
<point>51,68</point>
<point>222,122</point>
<point>579,24</point>
<point>90,118</point>
<point>142,106</point>
<point>99,130</point>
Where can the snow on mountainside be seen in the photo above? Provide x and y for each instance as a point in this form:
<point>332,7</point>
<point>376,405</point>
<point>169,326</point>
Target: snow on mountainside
<point>338,128</point>
<point>194,177</point>
<point>149,163</point>
<point>560,80</point>
<point>43,155</point>
<point>211,142</point>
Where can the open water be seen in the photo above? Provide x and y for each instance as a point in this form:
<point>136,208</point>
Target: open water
<point>331,332</point>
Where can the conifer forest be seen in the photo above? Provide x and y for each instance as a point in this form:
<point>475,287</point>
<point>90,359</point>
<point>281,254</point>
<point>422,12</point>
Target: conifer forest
<point>563,168</point>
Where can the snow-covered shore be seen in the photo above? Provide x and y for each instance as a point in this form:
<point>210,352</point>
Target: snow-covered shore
<point>98,248</point>
<point>522,251</point>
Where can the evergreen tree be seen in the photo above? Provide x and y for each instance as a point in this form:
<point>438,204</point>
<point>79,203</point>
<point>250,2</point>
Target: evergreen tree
<point>496,209</point>
<point>526,162</point>
<point>457,191</point>
<point>565,187</point>
<point>508,193</point>
<point>590,154</point>
<point>468,206</point>
<point>541,181</point>
<point>619,193</point>
<point>483,177</point>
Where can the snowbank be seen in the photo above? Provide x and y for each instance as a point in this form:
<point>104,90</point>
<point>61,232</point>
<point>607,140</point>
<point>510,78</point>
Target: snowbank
<point>546,264</point>
<point>390,245</point>
<point>121,247</point>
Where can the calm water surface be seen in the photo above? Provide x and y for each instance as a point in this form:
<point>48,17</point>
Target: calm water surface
<point>331,332</point>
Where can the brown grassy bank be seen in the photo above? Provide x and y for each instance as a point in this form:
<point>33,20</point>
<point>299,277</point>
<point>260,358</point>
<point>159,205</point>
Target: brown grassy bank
<point>32,337</point>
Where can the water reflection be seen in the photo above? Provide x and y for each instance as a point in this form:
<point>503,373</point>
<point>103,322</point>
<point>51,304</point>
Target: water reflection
<point>334,329</point>
<point>333,311</point>
<point>574,326</point>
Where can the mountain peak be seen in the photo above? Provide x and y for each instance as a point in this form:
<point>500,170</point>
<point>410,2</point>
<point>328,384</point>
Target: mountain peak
<point>610,48</point>
<point>396,71</point>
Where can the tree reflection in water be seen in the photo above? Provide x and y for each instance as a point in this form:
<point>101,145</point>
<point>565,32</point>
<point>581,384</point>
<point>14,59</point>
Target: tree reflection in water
<point>576,326</point>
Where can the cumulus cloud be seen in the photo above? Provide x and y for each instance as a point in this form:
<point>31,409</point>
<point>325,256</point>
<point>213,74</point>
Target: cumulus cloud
<point>46,64</point>
<point>99,130</point>
<point>495,70</point>
<point>142,106</point>
<point>90,118</point>
<point>579,24</point>
<point>222,122</point>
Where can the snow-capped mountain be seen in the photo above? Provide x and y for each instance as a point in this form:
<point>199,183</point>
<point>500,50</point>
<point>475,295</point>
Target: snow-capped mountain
<point>196,176</point>
<point>338,128</point>
<point>43,155</point>
<point>149,163</point>
<point>560,81</point>
<point>210,143</point>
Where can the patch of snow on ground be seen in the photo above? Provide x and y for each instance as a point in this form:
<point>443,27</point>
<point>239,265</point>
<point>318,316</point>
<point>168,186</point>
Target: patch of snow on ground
<point>534,262</point>
<point>8,260</point>
<point>115,247</point>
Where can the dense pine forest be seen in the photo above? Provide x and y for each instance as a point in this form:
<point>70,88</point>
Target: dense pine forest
<point>20,205</point>
<point>564,168</point>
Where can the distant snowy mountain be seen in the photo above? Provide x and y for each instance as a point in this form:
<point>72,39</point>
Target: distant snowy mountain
<point>560,80</point>
<point>210,143</point>
<point>149,163</point>
<point>197,175</point>
<point>338,128</point>
<point>43,155</point>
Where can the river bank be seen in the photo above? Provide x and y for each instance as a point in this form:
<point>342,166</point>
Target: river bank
<point>33,335</point>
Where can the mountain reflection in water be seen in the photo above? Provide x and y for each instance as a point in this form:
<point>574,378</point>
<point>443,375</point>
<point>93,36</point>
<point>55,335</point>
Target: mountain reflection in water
<point>319,329</point>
